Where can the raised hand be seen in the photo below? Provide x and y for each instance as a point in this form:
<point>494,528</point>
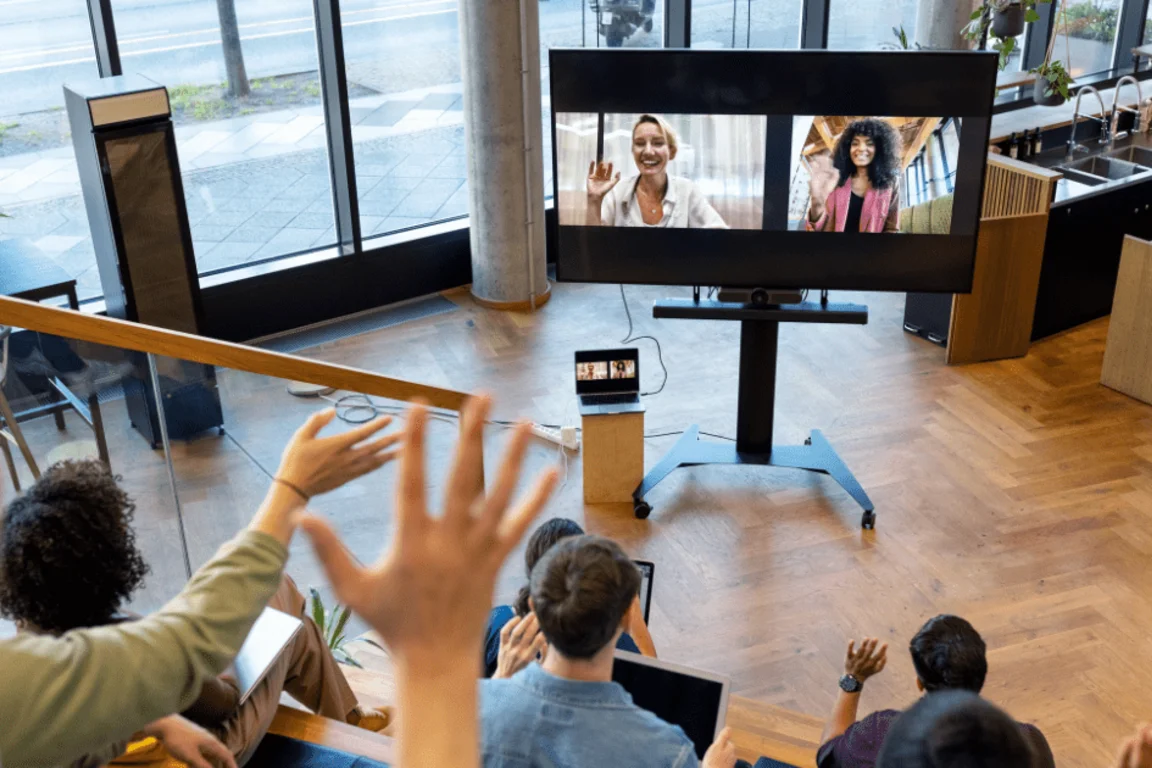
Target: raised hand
<point>316,465</point>
<point>824,178</point>
<point>601,180</point>
<point>722,753</point>
<point>1136,752</point>
<point>521,641</point>
<point>429,595</point>
<point>868,661</point>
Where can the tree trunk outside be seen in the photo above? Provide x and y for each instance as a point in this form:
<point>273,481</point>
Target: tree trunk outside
<point>233,53</point>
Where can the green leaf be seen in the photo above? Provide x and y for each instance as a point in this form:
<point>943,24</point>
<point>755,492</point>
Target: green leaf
<point>317,608</point>
<point>341,620</point>
<point>1030,16</point>
<point>372,643</point>
<point>343,657</point>
<point>977,13</point>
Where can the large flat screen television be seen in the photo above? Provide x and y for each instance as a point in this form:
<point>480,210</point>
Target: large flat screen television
<point>770,169</point>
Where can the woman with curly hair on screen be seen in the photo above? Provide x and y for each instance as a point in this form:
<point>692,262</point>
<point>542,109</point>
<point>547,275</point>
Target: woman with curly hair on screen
<point>858,191</point>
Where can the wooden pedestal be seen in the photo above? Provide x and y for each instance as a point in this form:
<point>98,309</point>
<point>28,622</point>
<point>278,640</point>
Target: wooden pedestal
<point>1128,356</point>
<point>613,456</point>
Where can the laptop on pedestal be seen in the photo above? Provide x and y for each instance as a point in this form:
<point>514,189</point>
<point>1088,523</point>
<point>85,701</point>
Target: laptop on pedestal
<point>608,381</point>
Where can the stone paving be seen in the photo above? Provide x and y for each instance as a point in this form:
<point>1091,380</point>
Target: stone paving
<point>257,187</point>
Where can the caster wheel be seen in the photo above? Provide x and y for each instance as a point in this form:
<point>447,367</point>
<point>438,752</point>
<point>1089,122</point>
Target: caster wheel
<point>642,510</point>
<point>220,431</point>
<point>868,522</point>
<point>807,441</point>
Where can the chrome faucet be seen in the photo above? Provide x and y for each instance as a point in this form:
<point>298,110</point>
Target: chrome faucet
<point>1072,145</point>
<point>1117,107</point>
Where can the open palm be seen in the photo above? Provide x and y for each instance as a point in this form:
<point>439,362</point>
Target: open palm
<point>601,180</point>
<point>824,178</point>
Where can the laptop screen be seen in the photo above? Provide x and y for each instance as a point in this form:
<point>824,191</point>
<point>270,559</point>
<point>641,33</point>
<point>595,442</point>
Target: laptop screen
<point>694,700</point>
<point>607,370</point>
<point>647,570</point>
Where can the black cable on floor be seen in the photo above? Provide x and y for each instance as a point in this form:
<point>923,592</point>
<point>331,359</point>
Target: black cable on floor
<point>629,338</point>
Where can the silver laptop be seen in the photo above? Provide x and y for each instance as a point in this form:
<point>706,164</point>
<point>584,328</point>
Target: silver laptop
<point>695,700</point>
<point>608,381</point>
<point>269,637</point>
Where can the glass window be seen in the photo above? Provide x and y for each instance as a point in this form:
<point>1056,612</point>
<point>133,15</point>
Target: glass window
<point>245,94</point>
<point>43,45</point>
<point>868,24</point>
<point>402,62</point>
<point>746,23</point>
<point>592,24</point>
<point>1086,35</point>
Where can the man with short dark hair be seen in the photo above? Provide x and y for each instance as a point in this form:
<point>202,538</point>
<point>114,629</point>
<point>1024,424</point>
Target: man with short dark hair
<point>566,710</point>
<point>948,654</point>
<point>956,729</point>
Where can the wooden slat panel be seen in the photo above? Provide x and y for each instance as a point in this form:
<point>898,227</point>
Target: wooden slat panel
<point>159,341</point>
<point>1128,355</point>
<point>1013,188</point>
<point>995,320</point>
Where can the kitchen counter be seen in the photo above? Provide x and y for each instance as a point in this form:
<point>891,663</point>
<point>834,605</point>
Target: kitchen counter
<point>1069,190</point>
<point>1046,118</point>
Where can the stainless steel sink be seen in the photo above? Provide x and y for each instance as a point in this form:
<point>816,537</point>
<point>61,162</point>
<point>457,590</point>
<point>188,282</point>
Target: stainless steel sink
<point>1138,155</point>
<point>1087,179</point>
<point>1107,167</point>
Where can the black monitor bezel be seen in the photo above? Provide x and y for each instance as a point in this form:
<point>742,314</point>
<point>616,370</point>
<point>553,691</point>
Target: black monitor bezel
<point>750,82</point>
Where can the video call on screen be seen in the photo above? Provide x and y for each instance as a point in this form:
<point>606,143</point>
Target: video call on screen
<point>846,173</point>
<point>603,370</point>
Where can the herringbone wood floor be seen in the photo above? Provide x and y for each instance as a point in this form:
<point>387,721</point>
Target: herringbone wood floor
<point>1017,494</point>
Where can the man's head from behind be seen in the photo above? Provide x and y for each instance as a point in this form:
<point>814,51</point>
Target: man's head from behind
<point>68,554</point>
<point>581,589</point>
<point>955,729</point>
<point>949,653</point>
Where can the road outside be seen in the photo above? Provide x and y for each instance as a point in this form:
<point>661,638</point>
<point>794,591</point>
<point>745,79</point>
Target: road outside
<point>255,170</point>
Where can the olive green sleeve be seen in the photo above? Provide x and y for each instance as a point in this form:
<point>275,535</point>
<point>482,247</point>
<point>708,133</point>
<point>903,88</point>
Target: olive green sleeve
<point>73,695</point>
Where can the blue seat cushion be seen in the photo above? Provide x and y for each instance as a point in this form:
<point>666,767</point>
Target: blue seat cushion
<point>281,752</point>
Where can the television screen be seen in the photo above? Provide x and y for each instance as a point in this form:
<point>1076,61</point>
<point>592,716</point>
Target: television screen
<point>770,168</point>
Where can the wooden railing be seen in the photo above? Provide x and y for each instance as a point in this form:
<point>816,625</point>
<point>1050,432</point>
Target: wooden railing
<point>145,338</point>
<point>1013,188</point>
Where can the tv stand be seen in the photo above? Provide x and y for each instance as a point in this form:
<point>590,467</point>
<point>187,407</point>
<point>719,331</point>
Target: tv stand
<point>759,337</point>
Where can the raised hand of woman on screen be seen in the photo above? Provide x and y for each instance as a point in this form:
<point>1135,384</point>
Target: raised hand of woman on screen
<point>601,180</point>
<point>823,180</point>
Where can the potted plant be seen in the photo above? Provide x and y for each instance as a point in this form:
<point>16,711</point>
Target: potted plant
<point>1052,84</point>
<point>1005,20</point>
<point>331,624</point>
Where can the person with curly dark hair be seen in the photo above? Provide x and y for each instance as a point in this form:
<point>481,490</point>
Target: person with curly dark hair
<point>511,628</point>
<point>857,189</point>
<point>68,555</point>
<point>69,560</point>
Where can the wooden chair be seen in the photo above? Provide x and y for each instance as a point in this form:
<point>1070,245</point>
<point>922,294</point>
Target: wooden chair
<point>9,427</point>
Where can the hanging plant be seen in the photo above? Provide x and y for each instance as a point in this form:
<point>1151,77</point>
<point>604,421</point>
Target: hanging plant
<point>1053,81</point>
<point>1004,20</point>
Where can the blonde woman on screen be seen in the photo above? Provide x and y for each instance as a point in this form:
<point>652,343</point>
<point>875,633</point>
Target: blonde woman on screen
<point>653,198</point>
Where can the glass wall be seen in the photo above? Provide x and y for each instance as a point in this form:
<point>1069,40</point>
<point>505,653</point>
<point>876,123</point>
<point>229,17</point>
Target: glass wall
<point>868,24</point>
<point>1086,35</point>
<point>746,23</point>
<point>42,46</point>
<point>245,96</point>
<point>402,60</point>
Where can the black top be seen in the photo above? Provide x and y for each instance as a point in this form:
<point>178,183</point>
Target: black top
<point>852,221</point>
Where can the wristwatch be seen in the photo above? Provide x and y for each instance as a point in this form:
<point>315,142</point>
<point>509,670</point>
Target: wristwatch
<point>849,684</point>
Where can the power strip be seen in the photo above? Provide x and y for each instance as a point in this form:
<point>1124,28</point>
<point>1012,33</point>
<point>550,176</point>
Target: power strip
<point>565,436</point>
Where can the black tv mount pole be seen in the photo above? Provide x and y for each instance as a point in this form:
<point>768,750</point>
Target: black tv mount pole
<point>759,337</point>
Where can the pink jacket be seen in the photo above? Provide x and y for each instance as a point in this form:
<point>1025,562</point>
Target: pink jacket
<point>881,211</point>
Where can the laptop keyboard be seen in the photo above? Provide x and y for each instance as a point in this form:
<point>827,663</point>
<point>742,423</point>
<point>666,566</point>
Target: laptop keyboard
<point>609,399</point>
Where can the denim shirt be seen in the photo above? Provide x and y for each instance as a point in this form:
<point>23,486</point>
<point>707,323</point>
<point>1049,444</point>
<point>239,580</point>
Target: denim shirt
<point>538,720</point>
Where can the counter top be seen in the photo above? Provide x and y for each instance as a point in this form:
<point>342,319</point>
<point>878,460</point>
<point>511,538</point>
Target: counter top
<point>1030,118</point>
<point>1068,190</point>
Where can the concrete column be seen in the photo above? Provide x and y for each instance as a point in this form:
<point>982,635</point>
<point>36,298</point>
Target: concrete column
<point>939,22</point>
<point>500,42</point>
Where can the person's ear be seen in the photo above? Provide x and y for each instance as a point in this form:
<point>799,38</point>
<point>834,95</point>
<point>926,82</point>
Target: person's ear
<point>531,606</point>
<point>672,152</point>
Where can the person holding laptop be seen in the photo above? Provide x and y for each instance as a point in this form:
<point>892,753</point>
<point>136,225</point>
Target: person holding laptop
<point>566,710</point>
<point>68,559</point>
